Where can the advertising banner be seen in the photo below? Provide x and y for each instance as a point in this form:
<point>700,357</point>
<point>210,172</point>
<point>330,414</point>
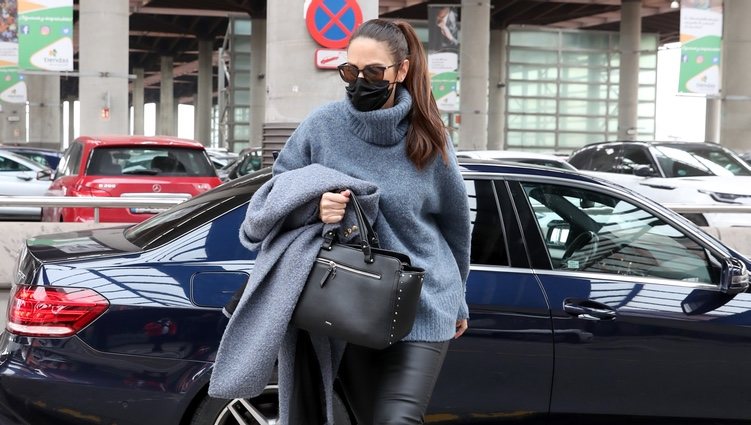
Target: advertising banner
<point>8,34</point>
<point>12,86</point>
<point>443,56</point>
<point>45,34</point>
<point>701,44</point>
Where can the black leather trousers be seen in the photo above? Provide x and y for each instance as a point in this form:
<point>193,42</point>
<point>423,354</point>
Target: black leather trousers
<point>391,386</point>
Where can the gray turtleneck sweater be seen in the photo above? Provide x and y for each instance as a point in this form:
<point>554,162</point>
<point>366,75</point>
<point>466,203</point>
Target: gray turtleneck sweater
<point>423,213</point>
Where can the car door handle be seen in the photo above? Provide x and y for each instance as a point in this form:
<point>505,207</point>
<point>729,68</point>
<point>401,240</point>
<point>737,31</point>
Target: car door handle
<point>587,309</point>
<point>24,178</point>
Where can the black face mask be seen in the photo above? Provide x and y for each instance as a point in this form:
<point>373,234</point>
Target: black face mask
<point>367,96</point>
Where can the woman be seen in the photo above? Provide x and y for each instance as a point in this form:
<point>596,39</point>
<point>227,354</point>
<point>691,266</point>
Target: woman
<point>389,132</point>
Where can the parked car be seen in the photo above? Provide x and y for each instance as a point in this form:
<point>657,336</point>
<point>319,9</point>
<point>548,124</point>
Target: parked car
<point>221,157</point>
<point>521,157</point>
<point>129,166</point>
<point>247,163</point>
<point>585,299</point>
<point>20,176</point>
<point>674,173</point>
<point>49,158</point>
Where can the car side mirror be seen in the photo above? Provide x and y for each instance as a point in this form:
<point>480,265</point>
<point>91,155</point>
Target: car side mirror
<point>644,171</point>
<point>44,175</point>
<point>733,277</point>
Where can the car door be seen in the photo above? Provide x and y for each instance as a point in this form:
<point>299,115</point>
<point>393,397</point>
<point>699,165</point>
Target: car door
<point>503,365</point>
<point>641,326</point>
<point>14,177</point>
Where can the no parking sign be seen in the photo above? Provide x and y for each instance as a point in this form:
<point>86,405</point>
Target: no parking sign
<point>332,22</point>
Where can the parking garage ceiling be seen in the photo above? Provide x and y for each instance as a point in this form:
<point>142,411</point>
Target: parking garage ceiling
<point>174,27</point>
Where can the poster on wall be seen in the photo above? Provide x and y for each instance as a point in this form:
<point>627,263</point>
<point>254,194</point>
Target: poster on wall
<point>45,35</point>
<point>443,55</point>
<point>8,34</point>
<point>701,44</point>
<point>12,86</point>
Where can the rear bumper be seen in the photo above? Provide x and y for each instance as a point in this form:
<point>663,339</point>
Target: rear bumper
<point>63,381</point>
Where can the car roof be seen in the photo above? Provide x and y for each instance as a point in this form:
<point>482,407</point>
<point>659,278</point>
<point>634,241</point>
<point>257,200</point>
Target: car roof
<point>31,149</point>
<point>501,154</point>
<point>651,143</point>
<point>22,160</point>
<point>118,140</point>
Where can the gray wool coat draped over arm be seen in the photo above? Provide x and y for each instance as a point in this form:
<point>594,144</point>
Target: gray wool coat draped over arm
<point>282,225</point>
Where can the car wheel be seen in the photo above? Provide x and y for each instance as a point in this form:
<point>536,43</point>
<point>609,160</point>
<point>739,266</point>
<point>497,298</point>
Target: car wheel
<point>261,410</point>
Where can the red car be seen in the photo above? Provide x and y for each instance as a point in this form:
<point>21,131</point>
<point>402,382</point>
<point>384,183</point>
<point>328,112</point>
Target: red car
<point>122,166</point>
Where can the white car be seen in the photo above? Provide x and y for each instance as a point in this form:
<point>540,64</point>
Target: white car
<point>20,176</point>
<point>675,173</point>
<point>519,157</point>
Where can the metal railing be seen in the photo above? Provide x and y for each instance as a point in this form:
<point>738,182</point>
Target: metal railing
<point>166,202</point>
<point>90,201</point>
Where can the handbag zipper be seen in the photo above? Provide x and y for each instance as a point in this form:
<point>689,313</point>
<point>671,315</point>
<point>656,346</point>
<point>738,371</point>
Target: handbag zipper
<point>331,272</point>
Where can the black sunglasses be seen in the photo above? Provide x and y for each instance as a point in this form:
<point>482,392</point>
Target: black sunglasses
<point>371,73</point>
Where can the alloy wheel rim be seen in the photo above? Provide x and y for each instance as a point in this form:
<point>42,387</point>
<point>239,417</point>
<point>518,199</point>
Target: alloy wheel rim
<point>261,410</point>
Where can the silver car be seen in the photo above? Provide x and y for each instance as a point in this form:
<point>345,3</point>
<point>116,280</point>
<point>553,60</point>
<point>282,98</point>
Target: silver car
<point>20,176</point>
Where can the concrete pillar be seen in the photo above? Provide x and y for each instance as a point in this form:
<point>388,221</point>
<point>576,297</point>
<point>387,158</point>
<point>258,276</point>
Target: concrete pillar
<point>44,111</point>
<point>13,122</point>
<point>294,85</point>
<point>167,98</point>
<point>735,127</point>
<point>497,90</point>
<point>71,120</point>
<point>712,121</point>
<point>103,64</point>
<point>257,81</point>
<point>628,87</point>
<point>204,96</point>
<point>473,74</point>
<point>138,101</point>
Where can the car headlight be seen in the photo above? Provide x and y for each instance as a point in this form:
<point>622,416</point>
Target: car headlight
<point>728,198</point>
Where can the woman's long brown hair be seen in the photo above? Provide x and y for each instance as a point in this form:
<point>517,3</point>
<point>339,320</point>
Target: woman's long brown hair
<point>426,136</point>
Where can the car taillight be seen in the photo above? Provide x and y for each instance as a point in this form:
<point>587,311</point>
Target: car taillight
<point>52,312</point>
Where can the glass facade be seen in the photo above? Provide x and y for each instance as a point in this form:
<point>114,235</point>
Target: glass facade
<point>562,88</point>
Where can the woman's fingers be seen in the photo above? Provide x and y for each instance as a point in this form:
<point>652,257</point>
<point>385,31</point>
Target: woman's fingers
<point>332,206</point>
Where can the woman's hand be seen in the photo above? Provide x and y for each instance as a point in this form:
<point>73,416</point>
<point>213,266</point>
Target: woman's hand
<point>332,206</point>
<point>461,326</point>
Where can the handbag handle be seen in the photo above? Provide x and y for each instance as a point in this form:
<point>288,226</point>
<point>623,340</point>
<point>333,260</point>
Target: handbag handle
<point>368,237</point>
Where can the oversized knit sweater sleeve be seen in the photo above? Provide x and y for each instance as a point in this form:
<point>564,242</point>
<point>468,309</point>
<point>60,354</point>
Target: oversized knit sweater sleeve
<point>296,153</point>
<point>454,219</point>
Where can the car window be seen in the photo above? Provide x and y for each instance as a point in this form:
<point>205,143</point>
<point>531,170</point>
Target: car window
<point>9,165</point>
<point>582,159</point>
<point>692,161</point>
<point>604,159</point>
<point>70,162</point>
<point>149,160</point>
<point>488,244</point>
<point>594,232</point>
<point>633,158</point>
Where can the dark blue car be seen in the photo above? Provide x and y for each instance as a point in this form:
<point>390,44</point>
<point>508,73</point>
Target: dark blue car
<point>587,303</point>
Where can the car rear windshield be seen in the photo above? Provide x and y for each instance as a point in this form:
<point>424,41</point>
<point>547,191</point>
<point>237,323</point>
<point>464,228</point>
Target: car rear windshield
<point>199,210</point>
<point>149,161</point>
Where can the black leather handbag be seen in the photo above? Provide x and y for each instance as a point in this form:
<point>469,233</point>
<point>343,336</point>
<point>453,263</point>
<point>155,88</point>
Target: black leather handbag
<point>359,292</point>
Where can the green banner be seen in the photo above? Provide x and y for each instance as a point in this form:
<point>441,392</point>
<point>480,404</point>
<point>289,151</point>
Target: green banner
<point>12,87</point>
<point>701,38</point>
<point>8,34</point>
<point>45,35</point>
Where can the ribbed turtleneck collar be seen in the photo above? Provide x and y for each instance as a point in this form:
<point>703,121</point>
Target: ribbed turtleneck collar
<point>385,127</point>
